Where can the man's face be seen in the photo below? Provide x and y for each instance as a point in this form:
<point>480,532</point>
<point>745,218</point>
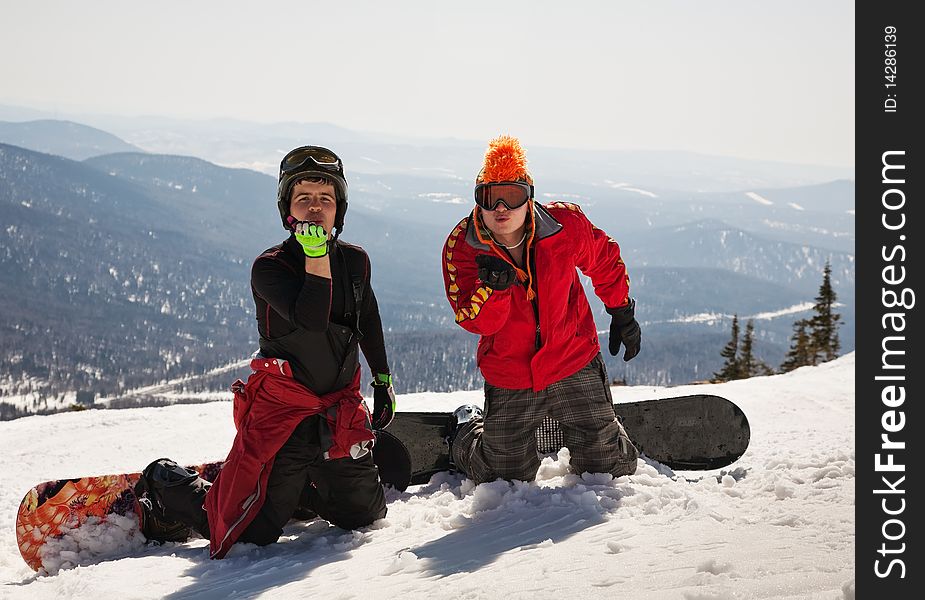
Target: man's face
<point>505,221</point>
<point>315,203</point>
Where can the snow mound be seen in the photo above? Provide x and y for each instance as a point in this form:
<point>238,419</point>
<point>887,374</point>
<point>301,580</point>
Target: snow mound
<point>96,540</point>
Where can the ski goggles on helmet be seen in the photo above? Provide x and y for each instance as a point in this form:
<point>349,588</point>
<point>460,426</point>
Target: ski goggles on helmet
<point>310,157</point>
<point>306,162</point>
<point>311,161</point>
<point>513,194</point>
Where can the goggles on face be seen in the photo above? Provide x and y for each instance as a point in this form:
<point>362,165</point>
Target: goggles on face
<point>513,194</point>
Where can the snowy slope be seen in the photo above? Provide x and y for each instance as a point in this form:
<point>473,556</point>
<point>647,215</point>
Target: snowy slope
<point>779,524</point>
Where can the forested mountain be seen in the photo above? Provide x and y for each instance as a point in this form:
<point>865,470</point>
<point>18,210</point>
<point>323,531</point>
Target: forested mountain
<point>130,270</point>
<point>63,138</point>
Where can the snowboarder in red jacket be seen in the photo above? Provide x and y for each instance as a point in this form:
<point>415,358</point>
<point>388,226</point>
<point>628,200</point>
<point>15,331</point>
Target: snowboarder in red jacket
<point>304,433</point>
<point>510,271</point>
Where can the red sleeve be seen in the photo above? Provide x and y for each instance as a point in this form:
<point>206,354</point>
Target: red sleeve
<point>478,309</point>
<point>599,259</point>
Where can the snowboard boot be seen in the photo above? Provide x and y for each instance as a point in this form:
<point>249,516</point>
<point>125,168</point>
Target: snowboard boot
<point>156,529</point>
<point>458,418</point>
<point>304,511</point>
<point>171,499</point>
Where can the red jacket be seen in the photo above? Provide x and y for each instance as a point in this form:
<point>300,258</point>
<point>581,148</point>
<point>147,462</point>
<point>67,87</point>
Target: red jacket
<point>541,332</point>
<point>266,411</point>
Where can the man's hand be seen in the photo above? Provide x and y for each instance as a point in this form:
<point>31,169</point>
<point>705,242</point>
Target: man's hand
<point>624,329</point>
<point>383,401</point>
<point>313,238</point>
<point>496,273</point>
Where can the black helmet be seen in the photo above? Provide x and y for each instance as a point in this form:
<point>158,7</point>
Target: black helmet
<point>311,161</point>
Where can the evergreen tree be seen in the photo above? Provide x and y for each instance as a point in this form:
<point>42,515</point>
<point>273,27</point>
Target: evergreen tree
<point>749,365</point>
<point>731,369</point>
<point>824,323</point>
<point>801,352</point>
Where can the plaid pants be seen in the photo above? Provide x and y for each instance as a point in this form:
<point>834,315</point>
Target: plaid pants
<point>503,443</point>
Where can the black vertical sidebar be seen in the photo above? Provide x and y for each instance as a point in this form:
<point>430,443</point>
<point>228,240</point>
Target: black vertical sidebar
<point>889,367</point>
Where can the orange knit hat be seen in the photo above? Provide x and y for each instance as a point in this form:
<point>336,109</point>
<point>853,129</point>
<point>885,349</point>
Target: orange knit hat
<point>505,160</point>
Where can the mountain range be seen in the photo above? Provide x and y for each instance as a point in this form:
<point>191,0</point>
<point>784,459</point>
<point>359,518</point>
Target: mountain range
<point>64,138</point>
<point>123,269</point>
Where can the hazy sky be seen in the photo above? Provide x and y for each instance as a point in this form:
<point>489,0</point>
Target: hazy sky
<point>770,80</point>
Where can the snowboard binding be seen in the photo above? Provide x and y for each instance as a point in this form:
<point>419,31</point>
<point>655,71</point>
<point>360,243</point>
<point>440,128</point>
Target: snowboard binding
<point>458,418</point>
<point>160,485</point>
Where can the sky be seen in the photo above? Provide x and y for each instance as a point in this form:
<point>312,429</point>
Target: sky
<point>762,80</point>
<point>777,524</point>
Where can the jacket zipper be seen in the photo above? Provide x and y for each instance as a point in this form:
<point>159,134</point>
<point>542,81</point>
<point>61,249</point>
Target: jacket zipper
<point>538,339</point>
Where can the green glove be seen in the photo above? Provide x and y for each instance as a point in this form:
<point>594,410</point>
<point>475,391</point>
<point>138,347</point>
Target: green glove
<point>383,401</point>
<point>313,238</point>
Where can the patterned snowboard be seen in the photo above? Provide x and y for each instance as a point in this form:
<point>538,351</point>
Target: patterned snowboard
<point>63,521</point>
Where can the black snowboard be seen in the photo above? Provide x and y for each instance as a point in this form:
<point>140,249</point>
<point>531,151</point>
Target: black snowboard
<point>393,460</point>
<point>697,432</point>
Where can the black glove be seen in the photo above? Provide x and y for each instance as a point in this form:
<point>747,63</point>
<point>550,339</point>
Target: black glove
<point>383,401</point>
<point>496,273</point>
<point>624,329</point>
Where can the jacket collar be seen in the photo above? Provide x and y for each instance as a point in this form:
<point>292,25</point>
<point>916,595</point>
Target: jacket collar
<point>543,224</point>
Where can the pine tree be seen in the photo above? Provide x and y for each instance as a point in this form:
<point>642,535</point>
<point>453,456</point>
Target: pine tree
<point>749,365</point>
<point>731,369</point>
<point>801,352</point>
<point>824,323</point>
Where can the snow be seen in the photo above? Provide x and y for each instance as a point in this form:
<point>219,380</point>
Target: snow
<point>759,198</point>
<point>166,388</point>
<point>640,191</point>
<point>778,523</point>
<point>629,188</point>
<point>797,227</point>
<point>444,197</point>
<point>716,317</point>
<point>553,196</point>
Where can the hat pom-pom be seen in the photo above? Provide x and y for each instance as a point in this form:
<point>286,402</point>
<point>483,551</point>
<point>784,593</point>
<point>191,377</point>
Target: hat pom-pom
<point>505,160</point>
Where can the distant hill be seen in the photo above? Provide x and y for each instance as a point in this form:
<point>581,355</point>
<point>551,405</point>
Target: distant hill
<point>712,243</point>
<point>128,270</point>
<point>260,146</point>
<point>62,138</point>
<point>102,288</point>
<point>232,208</point>
<point>836,196</point>
<point>817,215</point>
